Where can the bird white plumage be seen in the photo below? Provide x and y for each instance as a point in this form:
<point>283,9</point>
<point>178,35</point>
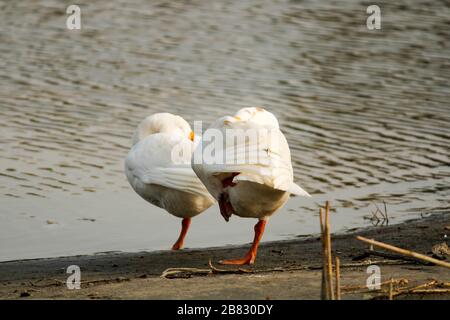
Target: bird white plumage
<point>158,168</point>
<point>253,177</point>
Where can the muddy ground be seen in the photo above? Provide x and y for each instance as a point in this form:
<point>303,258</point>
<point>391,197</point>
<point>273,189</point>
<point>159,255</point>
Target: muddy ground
<point>284,269</point>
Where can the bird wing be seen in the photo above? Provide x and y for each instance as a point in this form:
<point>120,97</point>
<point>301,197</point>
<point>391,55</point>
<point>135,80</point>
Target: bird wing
<point>265,160</point>
<point>164,160</point>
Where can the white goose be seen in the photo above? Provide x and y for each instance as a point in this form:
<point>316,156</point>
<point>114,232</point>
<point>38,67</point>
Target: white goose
<point>251,178</point>
<point>160,172</point>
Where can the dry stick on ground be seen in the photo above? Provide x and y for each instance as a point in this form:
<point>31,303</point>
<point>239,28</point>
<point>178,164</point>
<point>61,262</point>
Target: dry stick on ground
<point>364,286</point>
<point>420,289</point>
<point>216,270</point>
<point>172,272</point>
<point>57,282</point>
<point>338,279</point>
<point>370,262</point>
<point>428,291</point>
<point>404,252</point>
<point>367,253</point>
<point>425,285</point>
<point>328,244</point>
<point>345,265</point>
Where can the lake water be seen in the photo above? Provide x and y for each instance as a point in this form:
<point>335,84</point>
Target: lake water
<point>366,113</point>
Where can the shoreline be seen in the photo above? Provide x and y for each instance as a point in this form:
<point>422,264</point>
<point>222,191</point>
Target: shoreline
<point>280,267</point>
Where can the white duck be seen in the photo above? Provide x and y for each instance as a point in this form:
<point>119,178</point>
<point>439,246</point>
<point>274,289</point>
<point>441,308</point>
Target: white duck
<point>251,178</point>
<point>158,168</point>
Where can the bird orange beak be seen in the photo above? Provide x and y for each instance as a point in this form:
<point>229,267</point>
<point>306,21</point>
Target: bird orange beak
<point>191,136</point>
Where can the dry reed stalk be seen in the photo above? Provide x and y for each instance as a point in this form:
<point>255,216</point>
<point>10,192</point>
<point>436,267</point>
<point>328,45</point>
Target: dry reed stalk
<point>338,279</point>
<point>173,272</point>
<point>324,289</point>
<point>367,253</point>
<point>404,252</point>
<point>328,251</point>
<point>428,291</point>
<point>364,286</point>
<point>419,287</point>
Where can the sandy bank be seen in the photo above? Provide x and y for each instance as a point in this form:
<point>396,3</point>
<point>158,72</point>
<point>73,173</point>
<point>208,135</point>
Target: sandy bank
<point>137,275</point>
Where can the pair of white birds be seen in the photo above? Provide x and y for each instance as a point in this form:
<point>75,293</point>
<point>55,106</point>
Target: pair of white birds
<point>186,188</point>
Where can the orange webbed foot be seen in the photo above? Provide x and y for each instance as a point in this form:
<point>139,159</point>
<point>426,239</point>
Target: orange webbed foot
<point>250,257</point>
<point>177,246</point>
<point>184,228</point>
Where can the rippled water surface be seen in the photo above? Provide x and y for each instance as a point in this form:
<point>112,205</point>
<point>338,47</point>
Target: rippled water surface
<point>366,113</point>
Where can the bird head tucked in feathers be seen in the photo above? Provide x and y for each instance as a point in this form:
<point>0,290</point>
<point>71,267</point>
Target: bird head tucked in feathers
<point>163,123</point>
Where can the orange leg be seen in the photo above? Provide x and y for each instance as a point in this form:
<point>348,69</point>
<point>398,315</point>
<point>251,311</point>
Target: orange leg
<point>251,255</point>
<point>184,228</point>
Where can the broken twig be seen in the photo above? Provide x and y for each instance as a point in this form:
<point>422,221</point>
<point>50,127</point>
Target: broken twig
<point>393,256</point>
<point>328,251</point>
<point>338,279</point>
<point>177,272</point>
<point>364,286</point>
<point>404,252</point>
